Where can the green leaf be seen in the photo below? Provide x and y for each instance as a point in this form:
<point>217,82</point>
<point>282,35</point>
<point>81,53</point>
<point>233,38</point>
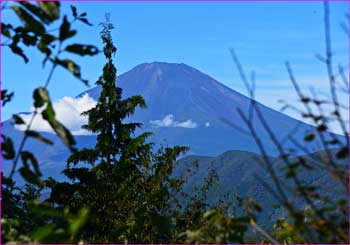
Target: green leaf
<point>36,11</point>
<point>309,137</point>
<point>45,40</point>
<point>44,43</point>
<point>29,40</point>
<point>41,97</point>
<point>82,49</point>
<point>29,176</point>
<point>305,99</point>
<point>72,67</point>
<point>27,157</point>
<point>17,50</point>
<point>31,24</point>
<point>79,221</point>
<point>74,11</point>
<point>85,20</point>
<point>36,135</point>
<point>43,209</point>
<point>42,232</point>
<point>64,134</point>
<point>321,128</point>
<point>18,120</point>
<point>51,9</point>
<point>49,114</point>
<point>290,173</point>
<point>343,153</point>
<point>7,148</point>
<point>5,30</point>
<point>65,31</point>
<point>67,138</point>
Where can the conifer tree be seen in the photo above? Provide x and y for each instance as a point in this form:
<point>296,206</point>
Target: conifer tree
<point>127,188</point>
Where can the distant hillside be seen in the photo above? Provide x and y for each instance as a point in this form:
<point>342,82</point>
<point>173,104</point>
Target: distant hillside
<point>238,171</point>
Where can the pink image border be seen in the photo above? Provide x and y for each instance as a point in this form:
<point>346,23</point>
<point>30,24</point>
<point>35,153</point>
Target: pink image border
<point>197,1</point>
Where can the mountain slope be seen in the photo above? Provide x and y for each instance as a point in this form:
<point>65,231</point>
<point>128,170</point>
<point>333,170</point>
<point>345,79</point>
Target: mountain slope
<point>188,94</point>
<point>185,107</point>
<point>241,172</point>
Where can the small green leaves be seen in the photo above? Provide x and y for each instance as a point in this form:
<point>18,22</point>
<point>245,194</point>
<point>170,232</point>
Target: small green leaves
<point>81,17</point>
<point>291,169</point>
<point>305,164</point>
<point>66,227</point>
<point>6,97</point>
<point>65,31</point>
<point>82,49</point>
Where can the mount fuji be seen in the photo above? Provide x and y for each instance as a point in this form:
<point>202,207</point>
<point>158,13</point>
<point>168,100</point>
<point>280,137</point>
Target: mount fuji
<point>188,107</point>
<point>185,107</point>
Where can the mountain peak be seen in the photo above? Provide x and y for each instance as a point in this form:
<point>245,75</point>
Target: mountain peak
<point>164,67</point>
<point>165,81</point>
<point>161,64</point>
<point>168,74</point>
<point>163,76</point>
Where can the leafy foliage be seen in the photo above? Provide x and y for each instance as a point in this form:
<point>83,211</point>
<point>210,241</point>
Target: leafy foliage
<point>25,218</point>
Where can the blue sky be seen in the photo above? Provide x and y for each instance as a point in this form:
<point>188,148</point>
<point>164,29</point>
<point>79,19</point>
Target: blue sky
<point>264,35</point>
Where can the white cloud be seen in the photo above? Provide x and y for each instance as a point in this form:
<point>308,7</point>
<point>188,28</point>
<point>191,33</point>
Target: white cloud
<point>168,121</point>
<point>68,110</point>
<point>207,124</point>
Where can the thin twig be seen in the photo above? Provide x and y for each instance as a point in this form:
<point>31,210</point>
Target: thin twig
<point>263,232</point>
<point>329,65</point>
<point>25,136</point>
<point>4,5</point>
<point>309,110</point>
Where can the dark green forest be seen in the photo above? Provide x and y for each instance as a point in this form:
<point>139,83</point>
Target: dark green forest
<point>123,190</point>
